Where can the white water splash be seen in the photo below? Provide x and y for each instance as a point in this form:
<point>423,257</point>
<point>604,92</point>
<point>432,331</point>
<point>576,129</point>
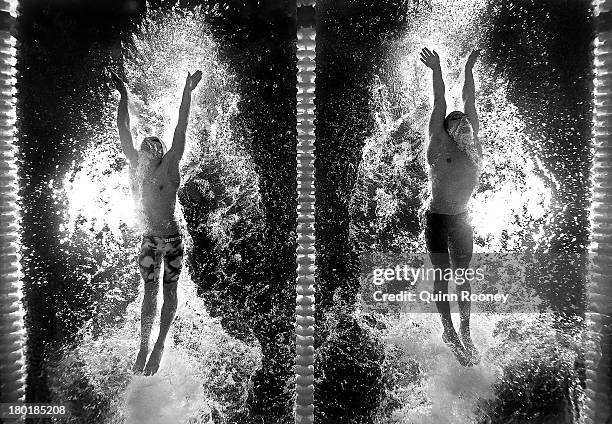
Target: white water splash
<point>445,392</point>
<point>175,394</point>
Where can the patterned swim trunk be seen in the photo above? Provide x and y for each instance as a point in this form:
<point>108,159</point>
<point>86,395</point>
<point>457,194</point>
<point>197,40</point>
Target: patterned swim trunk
<point>155,250</point>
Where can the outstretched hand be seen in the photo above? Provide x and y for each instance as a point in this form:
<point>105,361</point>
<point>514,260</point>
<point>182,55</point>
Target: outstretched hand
<point>119,84</point>
<point>430,58</point>
<point>192,80</point>
<point>471,60</point>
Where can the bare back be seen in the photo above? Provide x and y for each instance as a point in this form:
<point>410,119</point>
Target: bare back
<point>155,197</point>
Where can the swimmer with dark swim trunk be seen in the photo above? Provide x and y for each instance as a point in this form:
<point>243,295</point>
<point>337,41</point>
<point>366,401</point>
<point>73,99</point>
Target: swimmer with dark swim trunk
<point>454,156</point>
<point>155,179</point>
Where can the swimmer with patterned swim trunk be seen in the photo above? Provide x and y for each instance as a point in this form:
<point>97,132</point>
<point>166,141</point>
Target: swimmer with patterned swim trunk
<point>153,251</point>
<point>454,156</point>
<point>155,179</point>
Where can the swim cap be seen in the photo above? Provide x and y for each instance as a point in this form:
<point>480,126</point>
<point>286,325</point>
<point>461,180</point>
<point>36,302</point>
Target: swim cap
<point>453,115</point>
<point>154,146</point>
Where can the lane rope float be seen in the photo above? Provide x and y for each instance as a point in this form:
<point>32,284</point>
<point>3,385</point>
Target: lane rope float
<point>12,332</point>
<point>598,333</point>
<point>305,283</point>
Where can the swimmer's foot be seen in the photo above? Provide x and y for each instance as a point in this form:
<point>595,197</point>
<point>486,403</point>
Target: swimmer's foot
<point>452,341</point>
<point>466,339</point>
<point>154,360</point>
<point>140,360</point>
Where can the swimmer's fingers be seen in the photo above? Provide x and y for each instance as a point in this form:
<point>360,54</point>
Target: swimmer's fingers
<point>429,53</point>
<point>196,77</point>
<point>429,58</point>
<point>425,55</point>
<point>193,80</point>
<point>115,78</point>
<point>119,84</point>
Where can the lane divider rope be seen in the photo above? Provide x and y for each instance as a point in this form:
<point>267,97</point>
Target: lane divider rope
<point>598,334</point>
<point>12,332</point>
<point>305,283</point>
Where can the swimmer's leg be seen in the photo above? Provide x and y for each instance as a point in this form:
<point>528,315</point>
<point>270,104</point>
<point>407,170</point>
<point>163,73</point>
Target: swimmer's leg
<point>461,245</point>
<point>436,237</point>
<point>173,263</point>
<point>149,262</point>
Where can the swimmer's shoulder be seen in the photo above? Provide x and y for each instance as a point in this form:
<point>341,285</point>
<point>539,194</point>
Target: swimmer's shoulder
<point>438,146</point>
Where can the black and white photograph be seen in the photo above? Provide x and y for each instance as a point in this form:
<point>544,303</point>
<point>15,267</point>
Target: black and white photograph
<point>300,211</point>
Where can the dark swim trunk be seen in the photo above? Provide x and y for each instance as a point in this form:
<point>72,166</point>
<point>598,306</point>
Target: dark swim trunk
<point>449,239</point>
<point>153,251</point>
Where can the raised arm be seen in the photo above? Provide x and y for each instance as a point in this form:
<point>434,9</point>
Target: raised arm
<point>432,61</point>
<point>178,143</point>
<point>123,120</point>
<point>469,92</point>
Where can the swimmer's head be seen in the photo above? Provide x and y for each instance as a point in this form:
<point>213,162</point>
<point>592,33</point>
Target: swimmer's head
<point>460,130</point>
<point>453,120</point>
<point>458,126</point>
<point>153,148</point>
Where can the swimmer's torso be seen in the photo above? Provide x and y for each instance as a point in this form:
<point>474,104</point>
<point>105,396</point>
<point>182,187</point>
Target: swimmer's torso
<point>155,198</point>
<point>453,177</point>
